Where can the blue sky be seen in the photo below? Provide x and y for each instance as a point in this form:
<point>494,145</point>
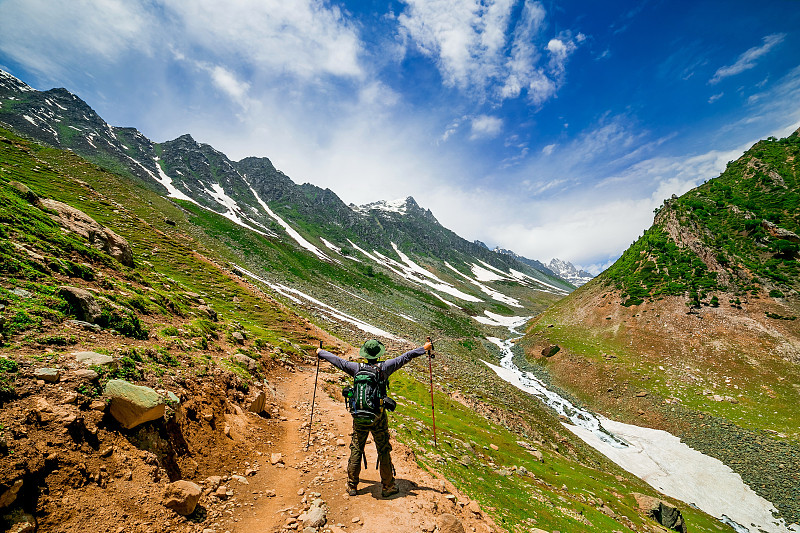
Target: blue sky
<point>550,128</point>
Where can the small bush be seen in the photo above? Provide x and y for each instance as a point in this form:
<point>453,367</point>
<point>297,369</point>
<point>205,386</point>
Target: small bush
<point>775,293</point>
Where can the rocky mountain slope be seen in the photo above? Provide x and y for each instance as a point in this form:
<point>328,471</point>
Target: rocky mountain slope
<point>694,329</point>
<point>104,280</point>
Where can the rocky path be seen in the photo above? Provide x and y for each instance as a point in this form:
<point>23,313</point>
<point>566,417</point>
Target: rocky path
<point>292,487</point>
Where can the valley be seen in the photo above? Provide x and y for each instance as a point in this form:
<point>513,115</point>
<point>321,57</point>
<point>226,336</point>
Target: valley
<point>236,273</point>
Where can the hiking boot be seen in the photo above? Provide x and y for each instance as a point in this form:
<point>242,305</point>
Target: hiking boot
<point>391,491</point>
<point>351,490</point>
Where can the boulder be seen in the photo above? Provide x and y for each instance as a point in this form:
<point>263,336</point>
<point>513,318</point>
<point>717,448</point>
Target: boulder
<point>50,375</point>
<point>248,362</point>
<point>132,405</point>
<point>449,524</point>
<point>182,496</point>
<point>212,315</point>
<point>551,350</point>
<point>92,358</point>
<point>316,516</point>
<point>81,302</point>
<point>85,325</point>
<point>258,403</point>
<point>26,193</point>
<point>238,337</point>
<point>9,493</point>
<point>662,512</point>
<point>98,236</point>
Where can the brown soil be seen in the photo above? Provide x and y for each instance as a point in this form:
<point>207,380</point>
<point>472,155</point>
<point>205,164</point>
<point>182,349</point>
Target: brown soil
<point>81,470</point>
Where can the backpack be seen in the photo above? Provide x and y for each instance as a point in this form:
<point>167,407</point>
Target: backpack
<point>368,392</point>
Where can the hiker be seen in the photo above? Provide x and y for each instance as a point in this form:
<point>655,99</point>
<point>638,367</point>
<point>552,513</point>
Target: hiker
<point>377,421</point>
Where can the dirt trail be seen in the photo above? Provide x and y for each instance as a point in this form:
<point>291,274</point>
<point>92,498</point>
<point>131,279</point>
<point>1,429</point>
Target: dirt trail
<point>419,506</point>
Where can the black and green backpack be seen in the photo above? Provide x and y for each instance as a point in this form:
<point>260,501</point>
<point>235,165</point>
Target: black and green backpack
<point>366,397</point>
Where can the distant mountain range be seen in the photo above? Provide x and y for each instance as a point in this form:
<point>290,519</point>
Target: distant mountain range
<point>250,192</point>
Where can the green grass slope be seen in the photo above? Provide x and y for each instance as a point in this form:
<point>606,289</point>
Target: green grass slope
<point>158,333</point>
<point>694,329</point>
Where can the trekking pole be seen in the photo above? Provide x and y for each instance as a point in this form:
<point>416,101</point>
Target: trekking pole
<point>313,398</point>
<point>433,410</point>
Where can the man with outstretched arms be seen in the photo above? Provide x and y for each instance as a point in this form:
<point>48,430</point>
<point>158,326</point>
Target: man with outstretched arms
<point>372,350</point>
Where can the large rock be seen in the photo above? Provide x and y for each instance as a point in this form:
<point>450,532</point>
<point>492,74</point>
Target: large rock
<point>132,405</point>
<point>8,494</point>
<point>316,516</point>
<point>449,524</point>
<point>50,375</point>
<point>259,403</point>
<point>662,512</point>
<point>92,358</point>
<point>779,233</point>
<point>81,302</point>
<point>248,362</point>
<point>182,496</point>
<point>551,350</point>
<point>98,236</point>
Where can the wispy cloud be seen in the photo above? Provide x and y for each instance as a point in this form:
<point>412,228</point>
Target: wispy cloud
<point>748,59</point>
<point>480,49</point>
<point>485,126</point>
<point>714,97</point>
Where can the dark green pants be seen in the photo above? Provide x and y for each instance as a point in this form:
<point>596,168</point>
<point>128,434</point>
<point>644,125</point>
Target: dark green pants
<point>380,433</point>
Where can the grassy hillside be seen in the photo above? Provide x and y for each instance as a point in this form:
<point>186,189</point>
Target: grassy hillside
<point>694,329</point>
<point>156,326</point>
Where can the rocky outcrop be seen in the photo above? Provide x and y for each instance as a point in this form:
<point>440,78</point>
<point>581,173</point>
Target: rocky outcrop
<point>779,233</point>
<point>662,512</point>
<point>98,236</point>
<point>81,303</point>
<point>132,405</point>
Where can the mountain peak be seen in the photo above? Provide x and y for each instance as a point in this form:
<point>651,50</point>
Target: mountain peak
<point>569,272</point>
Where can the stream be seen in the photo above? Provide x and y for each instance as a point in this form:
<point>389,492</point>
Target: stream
<point>657,457</point>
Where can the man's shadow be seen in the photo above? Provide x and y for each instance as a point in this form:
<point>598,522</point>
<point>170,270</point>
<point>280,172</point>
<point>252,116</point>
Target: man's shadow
<point>406,486</point>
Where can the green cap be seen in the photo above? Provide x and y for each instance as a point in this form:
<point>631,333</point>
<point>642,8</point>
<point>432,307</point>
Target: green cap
<point>372,349</point>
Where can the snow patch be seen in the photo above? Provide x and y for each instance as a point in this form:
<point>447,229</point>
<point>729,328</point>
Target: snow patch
<point>510,322</point>
<point>672,467</point>
<point>496,295</point>
<point>296,296</point>
<point>233,210</point>
<point>166,181</point>
<point>299,239</point>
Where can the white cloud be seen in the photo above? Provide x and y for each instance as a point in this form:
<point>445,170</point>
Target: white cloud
<point>748,59</point>
<point>477,48</point>
<point>304,38</point>
<point>484,126</point>
<point>714,97</point>
<point>48,35</point>
<point>547,150</point>
<point>229,84</point>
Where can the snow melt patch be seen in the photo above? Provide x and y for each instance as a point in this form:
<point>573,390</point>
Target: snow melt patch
<point>496,295</point>
<point>166,181</point>
<point>510,322</point>
<point>416,274</point>
<point>233,211</point>
<point>296,296</point>
<point>549,288</point>
<point>289,230</point>
<point>483,274</point>
<point>672,467</point>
